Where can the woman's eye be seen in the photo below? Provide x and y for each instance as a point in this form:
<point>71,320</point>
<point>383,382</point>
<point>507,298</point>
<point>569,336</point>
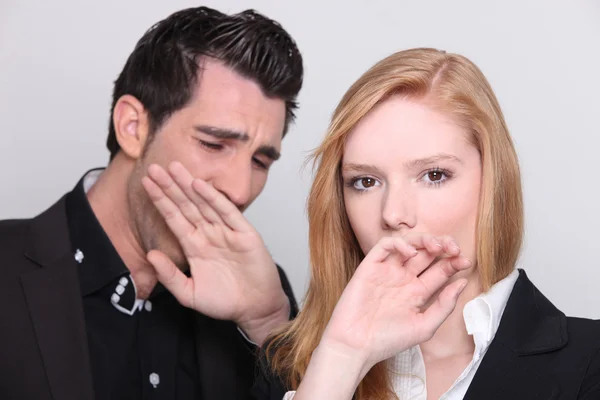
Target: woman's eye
<point>436,177</point>
<point>364,183</point>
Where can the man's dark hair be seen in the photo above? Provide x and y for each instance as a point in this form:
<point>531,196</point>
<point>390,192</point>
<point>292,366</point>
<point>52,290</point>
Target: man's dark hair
<point>162,70</point>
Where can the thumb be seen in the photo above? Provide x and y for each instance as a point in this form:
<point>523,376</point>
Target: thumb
<point>172,278</point>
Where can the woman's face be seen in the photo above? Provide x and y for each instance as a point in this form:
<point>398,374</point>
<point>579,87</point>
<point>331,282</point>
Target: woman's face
<point>409,169</point>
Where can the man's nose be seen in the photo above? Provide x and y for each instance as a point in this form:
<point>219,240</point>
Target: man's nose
<point>235,181</point>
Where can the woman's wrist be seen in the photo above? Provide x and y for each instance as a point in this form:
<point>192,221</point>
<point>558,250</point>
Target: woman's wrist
<point>334,372</point>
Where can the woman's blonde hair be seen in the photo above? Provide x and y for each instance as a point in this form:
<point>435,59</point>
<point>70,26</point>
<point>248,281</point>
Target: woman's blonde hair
<point>455,86</point>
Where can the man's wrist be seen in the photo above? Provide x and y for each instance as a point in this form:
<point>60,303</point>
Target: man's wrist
<point>257,330</point>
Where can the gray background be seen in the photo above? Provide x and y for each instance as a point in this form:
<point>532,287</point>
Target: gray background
<point>58,61</point>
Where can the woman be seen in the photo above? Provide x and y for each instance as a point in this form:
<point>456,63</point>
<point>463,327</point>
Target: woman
<point>416,223</point>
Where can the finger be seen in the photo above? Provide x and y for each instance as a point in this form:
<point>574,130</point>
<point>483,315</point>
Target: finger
<point>175,281</point>
<point>174,191</point>
<point>429,247</point>
<point>222,206</point>
<point>184,179</point>
<point>442,271</point>
<point>450,246</point>
<point>388,245</point>
<point>435,245</point>
<point>420,240</point>
<point>432,244</point>
<point>441,309</point>
<point>181,227</point>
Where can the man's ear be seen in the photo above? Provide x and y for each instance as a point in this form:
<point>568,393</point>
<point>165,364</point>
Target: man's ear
<point>131,125</point>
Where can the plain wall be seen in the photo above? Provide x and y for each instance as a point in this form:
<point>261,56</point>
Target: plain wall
<point>58,61</point>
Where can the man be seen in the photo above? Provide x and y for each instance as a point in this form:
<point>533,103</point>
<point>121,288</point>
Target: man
<point>90,288</point>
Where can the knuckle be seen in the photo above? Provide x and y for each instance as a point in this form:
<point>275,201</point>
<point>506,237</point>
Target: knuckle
<point>419,300</point>
<point>188,207</point>
<point>169,215</point>
<point>447,239</point>
<point>386,241</point>
<point>428,334</point>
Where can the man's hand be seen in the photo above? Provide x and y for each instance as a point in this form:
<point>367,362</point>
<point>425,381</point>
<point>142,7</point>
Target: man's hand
<point>233,276</point>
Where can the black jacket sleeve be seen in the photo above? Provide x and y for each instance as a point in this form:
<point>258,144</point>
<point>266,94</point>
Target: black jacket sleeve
<point>267,385</point>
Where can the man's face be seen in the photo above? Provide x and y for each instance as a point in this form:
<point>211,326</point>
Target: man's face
<point>228,135</point>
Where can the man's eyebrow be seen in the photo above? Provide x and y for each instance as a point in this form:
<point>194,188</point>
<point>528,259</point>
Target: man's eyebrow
<point>222,133</point>
<point>270,152</point>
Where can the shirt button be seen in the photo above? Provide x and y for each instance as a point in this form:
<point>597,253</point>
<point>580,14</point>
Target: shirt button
<point>120,289</point>
<point>79,256</point>
<point>115,298</point>
<point>123,281</point>
<point>148,305</point>
<point>154,379</point>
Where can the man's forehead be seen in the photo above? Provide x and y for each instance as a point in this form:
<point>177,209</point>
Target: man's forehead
<point>227,101</point>
<point>222,85</point>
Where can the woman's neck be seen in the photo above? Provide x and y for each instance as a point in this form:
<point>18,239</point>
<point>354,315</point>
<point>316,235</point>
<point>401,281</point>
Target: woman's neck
<point>452,339</point>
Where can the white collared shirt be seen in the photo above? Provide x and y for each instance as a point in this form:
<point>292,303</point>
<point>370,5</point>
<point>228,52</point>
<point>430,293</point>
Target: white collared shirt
<point>482,317</point>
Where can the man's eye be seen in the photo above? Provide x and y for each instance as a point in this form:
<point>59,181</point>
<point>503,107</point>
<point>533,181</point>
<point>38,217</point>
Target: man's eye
<point>211,146</point>
<point>260,164</point>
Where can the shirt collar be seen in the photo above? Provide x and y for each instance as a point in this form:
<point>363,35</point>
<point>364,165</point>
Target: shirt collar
<point>482,315</point>
<point>90,244</point>
<point>100,264</point>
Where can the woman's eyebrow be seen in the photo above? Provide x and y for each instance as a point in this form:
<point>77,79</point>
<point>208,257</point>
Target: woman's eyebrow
<point>420,162</point>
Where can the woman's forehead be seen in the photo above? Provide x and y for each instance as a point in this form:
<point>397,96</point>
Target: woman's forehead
<point>401,128</point>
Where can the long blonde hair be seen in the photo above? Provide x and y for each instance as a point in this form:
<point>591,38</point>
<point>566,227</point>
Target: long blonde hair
<point>455,86</point>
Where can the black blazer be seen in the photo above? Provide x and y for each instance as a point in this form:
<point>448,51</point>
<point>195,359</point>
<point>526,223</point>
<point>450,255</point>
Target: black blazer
<point>537,354</point>
<point>43,343</point>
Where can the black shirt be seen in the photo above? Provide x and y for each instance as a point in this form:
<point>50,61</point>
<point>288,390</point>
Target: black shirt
<point>138,349</point>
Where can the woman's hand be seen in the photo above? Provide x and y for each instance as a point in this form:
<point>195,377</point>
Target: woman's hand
<point>398,297</point>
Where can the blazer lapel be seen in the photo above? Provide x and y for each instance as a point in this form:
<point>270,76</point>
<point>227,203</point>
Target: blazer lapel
<point>504,375</point>
<point>511,369</point>
<point>56,308</point>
